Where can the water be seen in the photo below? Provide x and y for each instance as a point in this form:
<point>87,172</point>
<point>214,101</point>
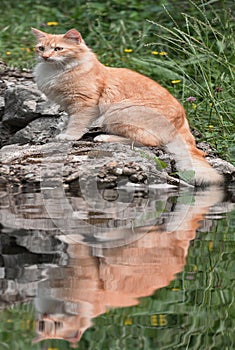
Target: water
<point>132,268</point>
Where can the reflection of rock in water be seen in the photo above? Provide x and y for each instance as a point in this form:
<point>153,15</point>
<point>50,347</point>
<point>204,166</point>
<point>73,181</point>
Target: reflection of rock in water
<point>97,277</point>
<point>21,267</point>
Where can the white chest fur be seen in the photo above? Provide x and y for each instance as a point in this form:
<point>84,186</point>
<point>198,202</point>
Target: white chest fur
<point>46,76</point>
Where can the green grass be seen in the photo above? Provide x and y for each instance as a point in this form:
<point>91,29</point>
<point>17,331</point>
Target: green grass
<point>197,37</point>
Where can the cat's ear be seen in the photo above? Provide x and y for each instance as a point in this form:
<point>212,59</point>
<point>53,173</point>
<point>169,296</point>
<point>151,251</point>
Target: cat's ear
<point>38,33</point>
<point>74,35</point>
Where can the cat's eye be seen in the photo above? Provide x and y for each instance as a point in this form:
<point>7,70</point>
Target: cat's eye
<point>57,48</point>
<point>41,48</point>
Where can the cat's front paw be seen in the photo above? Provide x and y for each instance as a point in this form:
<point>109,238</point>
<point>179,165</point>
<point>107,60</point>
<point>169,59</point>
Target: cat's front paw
<point>66,137</point>
<point>102,138</point>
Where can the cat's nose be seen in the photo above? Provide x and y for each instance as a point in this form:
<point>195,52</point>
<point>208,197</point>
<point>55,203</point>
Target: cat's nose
<point>46,57</point>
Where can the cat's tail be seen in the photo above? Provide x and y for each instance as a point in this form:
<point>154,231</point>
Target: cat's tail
<point>191,164</point>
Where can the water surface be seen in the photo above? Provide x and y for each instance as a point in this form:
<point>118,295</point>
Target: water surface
<point>128,268</point>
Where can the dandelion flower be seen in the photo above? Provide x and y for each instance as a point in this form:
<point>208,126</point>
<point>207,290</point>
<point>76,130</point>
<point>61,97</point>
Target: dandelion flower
<point>211,126</point>
<point>194,105</point>
<point>128,50</point>
<point>177,81</point>
<point>154,52</point>
<point>8,52</point>
<point>52,23</point>
<point>163,53</point>
<point>128,322</point>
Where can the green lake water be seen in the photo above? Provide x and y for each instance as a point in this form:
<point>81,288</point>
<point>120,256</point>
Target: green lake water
<point>132,268</point>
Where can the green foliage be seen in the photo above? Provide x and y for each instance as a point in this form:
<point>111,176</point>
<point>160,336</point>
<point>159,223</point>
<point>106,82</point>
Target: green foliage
<point>201,51</point>
<point>187,46</point>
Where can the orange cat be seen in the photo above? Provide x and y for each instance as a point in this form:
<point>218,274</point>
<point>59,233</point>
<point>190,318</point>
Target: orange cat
<point>127,103</point>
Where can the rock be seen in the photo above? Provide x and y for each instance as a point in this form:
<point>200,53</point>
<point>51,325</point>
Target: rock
<point>5,135</point>
<point>40,130</point>
<point>224,167</point>
<point>24,104</point>
<point>2,106</point>
<point>67,163</point>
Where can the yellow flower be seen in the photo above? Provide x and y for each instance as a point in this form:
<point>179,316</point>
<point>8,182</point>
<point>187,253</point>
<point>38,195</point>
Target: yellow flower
<point>177,81</point>
<point>52,23</point>
<point>128,322</point>
<point>211,126</point>
<point>8,52</point>
<point>27,49</point>
<point>194,106</point>
<point>163,53</point>
<point>128,50</point>
<point>154,52</point>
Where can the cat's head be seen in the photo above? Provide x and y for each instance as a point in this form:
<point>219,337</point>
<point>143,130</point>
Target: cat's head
<point>59,48</point>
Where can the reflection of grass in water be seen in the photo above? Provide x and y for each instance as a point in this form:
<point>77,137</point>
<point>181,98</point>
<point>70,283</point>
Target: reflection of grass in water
<point>17,327</point>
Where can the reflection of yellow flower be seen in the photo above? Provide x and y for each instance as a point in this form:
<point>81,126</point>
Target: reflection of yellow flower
<point>128,50</point>
<point>210,245</point>
<point>52,23</point>
<point>163,53</point>
<point>154,52</point>
<point>8,52</point>
<point>177,81</point>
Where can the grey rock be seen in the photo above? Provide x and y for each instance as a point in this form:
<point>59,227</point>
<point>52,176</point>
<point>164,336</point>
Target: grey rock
<point>24,104</point>
<point>2,106</point>
<point>5,135</point>
<point>224,167</point>
<point>40,130</point>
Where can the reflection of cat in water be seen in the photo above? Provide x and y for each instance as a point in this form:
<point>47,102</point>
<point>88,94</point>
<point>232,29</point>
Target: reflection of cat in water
<point>117,277</point>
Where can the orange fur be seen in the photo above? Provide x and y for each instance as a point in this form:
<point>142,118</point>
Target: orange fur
<point>128,103</point>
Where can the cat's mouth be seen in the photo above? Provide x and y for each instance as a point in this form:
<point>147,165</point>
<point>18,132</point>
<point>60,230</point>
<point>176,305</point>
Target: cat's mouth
<point>48,60</point>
